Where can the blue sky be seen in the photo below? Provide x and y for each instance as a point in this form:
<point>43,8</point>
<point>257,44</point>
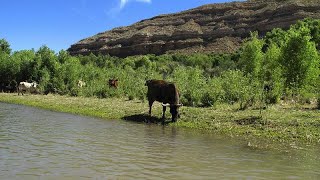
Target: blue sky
<point>28,24</point>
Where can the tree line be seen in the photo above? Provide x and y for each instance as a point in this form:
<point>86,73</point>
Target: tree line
<point>284,64</point>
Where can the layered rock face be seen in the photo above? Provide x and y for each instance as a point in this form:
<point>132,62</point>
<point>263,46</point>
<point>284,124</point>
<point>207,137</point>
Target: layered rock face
<point>218,28</point>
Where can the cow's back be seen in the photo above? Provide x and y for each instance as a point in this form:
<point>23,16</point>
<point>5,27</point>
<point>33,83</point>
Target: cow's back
<point>162,91</point>
<point>25,86</point>
<point>171,94</point>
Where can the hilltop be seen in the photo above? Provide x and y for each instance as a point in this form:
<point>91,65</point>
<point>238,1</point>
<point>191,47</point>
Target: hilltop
<point>219,28</point>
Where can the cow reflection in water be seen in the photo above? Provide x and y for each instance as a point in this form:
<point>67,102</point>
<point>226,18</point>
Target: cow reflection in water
<point>165,92</point>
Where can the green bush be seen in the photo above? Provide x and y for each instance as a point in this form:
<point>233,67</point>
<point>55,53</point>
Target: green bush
<point>191,84</point>
<point>239,88</point>
<point>213,92</point>
<point>285,61</point>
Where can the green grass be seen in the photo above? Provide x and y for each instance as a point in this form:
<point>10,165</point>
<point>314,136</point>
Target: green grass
<point>278,123</point>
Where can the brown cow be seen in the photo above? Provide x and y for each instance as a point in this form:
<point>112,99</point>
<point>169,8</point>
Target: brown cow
<point>113,83</point>
<point>165,92</point>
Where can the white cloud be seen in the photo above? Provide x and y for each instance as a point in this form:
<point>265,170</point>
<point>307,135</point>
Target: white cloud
<point>117,9</point>
<point>123,3</point>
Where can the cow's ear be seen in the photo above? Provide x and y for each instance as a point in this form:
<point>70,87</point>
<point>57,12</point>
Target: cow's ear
<point>116,80</point>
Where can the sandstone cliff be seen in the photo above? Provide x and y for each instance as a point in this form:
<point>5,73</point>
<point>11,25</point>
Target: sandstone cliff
<point>209,28</point>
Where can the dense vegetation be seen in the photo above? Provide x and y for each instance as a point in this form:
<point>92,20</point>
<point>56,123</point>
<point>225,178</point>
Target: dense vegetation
<point>285,64</point>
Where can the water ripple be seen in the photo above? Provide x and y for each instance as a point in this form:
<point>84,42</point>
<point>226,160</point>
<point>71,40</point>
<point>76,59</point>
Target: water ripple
<point>43,144</point>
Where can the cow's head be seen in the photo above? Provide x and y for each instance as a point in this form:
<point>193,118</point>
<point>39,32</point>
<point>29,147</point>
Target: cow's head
<point>174,110</point>
<point>34,84</point>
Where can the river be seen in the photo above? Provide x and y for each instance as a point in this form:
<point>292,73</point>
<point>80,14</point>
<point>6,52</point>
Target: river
<point>36,143</point>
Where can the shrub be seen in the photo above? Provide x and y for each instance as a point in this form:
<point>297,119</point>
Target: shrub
<point>239,88</point>
<point>191,83</point>
<point>214,92</point>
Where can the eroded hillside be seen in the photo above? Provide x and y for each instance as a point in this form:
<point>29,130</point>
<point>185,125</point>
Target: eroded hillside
<point>209,28</point>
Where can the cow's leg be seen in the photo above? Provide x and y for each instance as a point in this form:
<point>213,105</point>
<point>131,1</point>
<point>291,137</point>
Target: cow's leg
<point>163,113</point>
<point>150,106</point>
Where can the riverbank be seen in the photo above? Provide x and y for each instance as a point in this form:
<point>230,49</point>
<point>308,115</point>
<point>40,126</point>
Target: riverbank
<point>280,123</point>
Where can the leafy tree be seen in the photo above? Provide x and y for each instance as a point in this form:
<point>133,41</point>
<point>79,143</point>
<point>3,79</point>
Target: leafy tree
<point>313,27</point>
<point>63,56</point>
<point>318,92</point>
<point>213,92</point>
<point>276,37</point>
<point>144,62</point>
<point>309,27</point>
<point>191,83</point>
<point>300,61</point>
<point>70,74</point>
<point>251,56</point>
<point>6,70</point>
<point>5,46</point>
<point>272,74</point>
<point>237,88</point>
<point>25,59</point>
<point>48,59</point>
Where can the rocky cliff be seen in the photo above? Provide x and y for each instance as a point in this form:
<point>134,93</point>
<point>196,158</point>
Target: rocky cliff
<point>209,28</point>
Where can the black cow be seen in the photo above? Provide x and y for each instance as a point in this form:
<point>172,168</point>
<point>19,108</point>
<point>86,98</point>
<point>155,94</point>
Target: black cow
<point>165,92</point>
<point>11,87</point>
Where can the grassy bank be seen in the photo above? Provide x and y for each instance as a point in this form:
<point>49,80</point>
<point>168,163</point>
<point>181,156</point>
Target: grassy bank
<point>281,123</point>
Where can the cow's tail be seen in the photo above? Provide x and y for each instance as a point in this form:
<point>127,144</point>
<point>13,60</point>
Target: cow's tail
<point>177,95</point>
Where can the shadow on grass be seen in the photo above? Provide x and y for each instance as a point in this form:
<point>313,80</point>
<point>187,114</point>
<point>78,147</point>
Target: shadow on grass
<point>144,118</point>
<point>250,120</point>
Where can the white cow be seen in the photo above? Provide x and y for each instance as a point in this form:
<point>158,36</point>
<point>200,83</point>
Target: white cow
<point>28,87</point>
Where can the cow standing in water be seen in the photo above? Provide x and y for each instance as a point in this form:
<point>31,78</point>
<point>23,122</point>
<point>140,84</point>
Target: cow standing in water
<point>165,92</point>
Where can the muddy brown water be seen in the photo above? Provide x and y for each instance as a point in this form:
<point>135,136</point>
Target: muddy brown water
<point>36,143</point>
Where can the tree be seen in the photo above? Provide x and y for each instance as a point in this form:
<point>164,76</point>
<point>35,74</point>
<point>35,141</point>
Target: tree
<point>251,57</point>
<point>4,68</point>
<point>300,61</point>
<point>276,36</point>
<point>48,59</point>
<point>313,26</point>
<point>24,59</point>
<point>272,74</point>
<point>5,46</point>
